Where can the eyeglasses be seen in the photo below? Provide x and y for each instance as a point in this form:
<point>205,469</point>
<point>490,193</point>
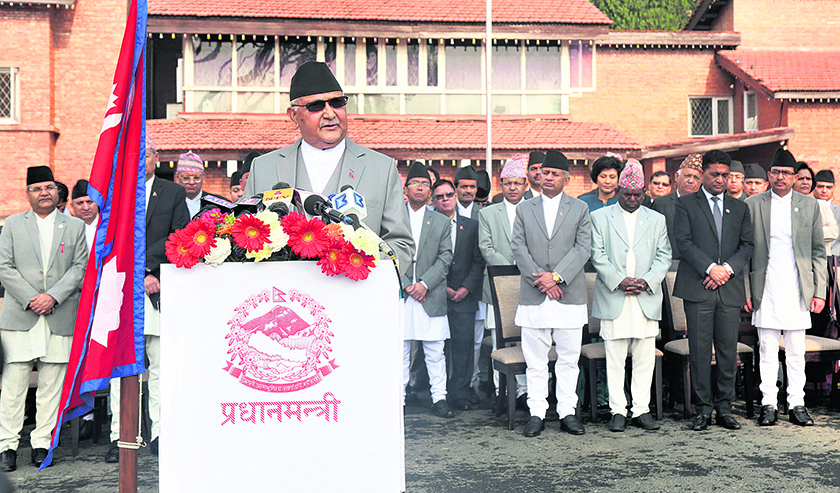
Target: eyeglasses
<point>784,174</point>
<point>419,185</point>
<point>804,178</point>
<point>48,188</point>
<point>190,178</point>
<point>318,106</point>
<point>441,196</point>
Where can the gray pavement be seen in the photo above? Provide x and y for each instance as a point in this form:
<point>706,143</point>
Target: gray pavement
<point>474,452</point>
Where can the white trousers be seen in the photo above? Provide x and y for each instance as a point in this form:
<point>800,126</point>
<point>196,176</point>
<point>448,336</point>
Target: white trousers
<point>768,365</point>
<point>13,402</point>
<point>643,355</point>
<point>479,336</point>
<point>536,344</point>
<point>153,352</point>
<point>435,366</point>
<point>521,380</point>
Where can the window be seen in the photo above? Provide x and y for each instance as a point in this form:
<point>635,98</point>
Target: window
<point>581,66</point>
<point>750,112</point>
<point>710,116</point>
<point>9,104</point>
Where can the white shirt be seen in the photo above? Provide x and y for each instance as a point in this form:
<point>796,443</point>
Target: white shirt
<point>321,163</point>
<point>511,215</point>
<point>465,211</point>
<point>418,324</point>
<point>90,232</point>
<point>149,184</point>
<point>782,306</point>
<point>550,208</point>
<point>415,219</point>
<point>194,205</point>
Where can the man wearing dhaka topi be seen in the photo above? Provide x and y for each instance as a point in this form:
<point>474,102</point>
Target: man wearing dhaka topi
<point>324,160</point>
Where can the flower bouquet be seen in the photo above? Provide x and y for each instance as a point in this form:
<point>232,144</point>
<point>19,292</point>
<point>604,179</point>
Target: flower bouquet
<point>215,238</point>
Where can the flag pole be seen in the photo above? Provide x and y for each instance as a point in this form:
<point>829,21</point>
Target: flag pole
<point>129,431</point>
<point>488,48</point>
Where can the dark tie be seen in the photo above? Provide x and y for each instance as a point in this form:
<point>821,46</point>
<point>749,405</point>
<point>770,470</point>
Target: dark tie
<point>718,217</point>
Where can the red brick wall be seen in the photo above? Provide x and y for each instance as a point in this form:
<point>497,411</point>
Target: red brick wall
<point>25,43</point>
<point>817,134</point>
<point>644,93</point>
<point>792,23</point>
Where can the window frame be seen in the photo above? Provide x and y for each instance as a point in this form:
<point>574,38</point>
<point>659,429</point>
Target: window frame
<point>754,126</point>
<point>715,130</point>
<point>14,95</point>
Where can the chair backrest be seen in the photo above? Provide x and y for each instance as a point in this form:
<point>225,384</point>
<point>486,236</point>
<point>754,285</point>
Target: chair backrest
<point>594,323</point>
<point>674,311</point>
<point>504,289</point>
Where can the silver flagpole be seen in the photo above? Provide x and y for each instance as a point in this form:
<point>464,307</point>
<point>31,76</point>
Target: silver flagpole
<point>488,48</point>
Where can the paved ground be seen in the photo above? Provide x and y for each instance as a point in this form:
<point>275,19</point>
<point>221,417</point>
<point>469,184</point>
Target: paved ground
<point>474,452</point>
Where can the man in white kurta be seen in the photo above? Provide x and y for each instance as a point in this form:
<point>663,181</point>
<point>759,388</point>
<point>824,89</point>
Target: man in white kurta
<point>551,243</point>
<point>789,270</point>
<point>631,253</point>
<point>425,281</point>
<point>42,261</point>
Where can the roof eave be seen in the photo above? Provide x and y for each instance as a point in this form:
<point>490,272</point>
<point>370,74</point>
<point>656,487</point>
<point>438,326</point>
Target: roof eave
<point>724,143</point>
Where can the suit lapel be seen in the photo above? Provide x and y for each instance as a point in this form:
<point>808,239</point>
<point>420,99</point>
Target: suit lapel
<point>764,210</point>
<point>617,223</point>
<point>796,215</point>
<point>58,236</point>
<point>562,212</point>
<point>642,225</point>
<point>502,217</point>
<point>32,229</point>
<point>153,200</point>
<point>424,229</point>
<point>704,206</point>
<point>352,166</point>
<point>537,210</point>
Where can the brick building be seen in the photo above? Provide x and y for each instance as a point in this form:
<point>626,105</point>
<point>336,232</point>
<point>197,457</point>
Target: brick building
<point>218,76</point>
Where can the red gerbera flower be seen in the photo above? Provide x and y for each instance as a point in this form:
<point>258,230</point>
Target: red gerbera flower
<point>178,250</point>
<point>358,264</point>
<point>213,217</point>
<point>334,258</point>
<point>334,231</point>
<point>292,222</point>
<point>199,236</point>
<point>250,233</point>
<point>310,239</point>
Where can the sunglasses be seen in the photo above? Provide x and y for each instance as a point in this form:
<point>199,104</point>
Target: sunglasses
<point>440,196</point>
<point>48,188</point>
<point>318,106</point>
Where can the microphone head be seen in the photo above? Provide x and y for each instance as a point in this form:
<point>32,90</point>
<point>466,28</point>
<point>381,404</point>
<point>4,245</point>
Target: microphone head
<point>280,185</point>
<point>345,187</point>
<point>280,208</point>
<point>313,205</point>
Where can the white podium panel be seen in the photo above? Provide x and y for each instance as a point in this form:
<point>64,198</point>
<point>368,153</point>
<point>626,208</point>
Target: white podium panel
<point>277,378</point>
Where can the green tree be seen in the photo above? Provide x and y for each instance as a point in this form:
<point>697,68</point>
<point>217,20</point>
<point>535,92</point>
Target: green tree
<point>647,15</point>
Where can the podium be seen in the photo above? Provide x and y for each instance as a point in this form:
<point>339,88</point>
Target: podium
<point>275,377</point>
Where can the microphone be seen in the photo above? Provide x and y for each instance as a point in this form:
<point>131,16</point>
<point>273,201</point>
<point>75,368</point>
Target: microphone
<point>249,205</point>
<point>350,203</point>
<point>211,201</point>
<point>317,205</point>
<point>279,198</point>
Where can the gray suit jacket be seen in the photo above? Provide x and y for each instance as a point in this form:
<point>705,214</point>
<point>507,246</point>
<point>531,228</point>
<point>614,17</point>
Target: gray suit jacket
<point>370,173</point>
<point>808,245</point>
<point>22,274</point>
<point>494,237</point>
<point>434,256</point>
<point>835,247</point>
<point>565,250</point>
<point>610,247</point>
<point>667,207</point>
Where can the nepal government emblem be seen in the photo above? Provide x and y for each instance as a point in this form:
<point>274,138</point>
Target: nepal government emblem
<point>279,342</point>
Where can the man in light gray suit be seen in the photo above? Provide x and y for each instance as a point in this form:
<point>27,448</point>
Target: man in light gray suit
<point>425,283</point>
<point>551,243</point>
<point>787,280</point>
<point>824,190</point>
<point>323,160</point>
<point>631,253</point>
<point>495,223</point>
<point>42,263</point>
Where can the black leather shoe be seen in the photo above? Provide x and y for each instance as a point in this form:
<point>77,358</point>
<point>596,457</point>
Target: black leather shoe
<point>461,405</point>
<point>522,402</point>
<point>769,416</point>
<point>701,422</point>
<point>572,425</point>
<point>153,447</point>
<point>86,429</point>
<point>617,423</point>
<point>534,427</point>
<point>474,398</point>
<point>113,454</point>
<point>442,410</point>
<point>39,455</point>
<point>646,422</point>
<point>799,416</point>
<point>727,421</point>
<point>8,460</point>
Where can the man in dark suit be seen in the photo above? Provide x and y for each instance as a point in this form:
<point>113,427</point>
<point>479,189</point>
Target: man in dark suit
<point>688,179</point>
<point>166,211</point>
<point>463,290</point>
<point>715,241</point>
<point>535,160</point>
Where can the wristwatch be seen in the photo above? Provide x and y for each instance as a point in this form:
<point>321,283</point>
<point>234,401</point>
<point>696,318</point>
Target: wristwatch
<point>556,277</point>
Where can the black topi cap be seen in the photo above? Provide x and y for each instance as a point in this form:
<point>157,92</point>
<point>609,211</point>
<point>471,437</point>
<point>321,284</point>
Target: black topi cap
<point>556,159</point>
<point>80,189</point>
<point>38,174</point>
<point>312,78</point>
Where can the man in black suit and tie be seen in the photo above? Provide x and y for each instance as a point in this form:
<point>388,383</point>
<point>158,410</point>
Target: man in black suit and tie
<point>166,211</point>
<point>463,290</point>
<point>715,237</point>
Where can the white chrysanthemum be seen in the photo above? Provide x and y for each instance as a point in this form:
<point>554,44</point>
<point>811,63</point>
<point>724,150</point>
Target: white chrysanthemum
<point>218,253</point>
<point>260,254</point>
<point>365,241</point>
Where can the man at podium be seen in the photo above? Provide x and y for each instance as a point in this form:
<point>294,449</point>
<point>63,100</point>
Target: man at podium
<point>323,160</point>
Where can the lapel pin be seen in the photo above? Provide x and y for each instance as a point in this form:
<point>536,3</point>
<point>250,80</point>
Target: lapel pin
<point>641,222</point>
<point>60,226</point>
<point>561,213</point>
<point>796,209</point>
<point>351,174</point>
<point>727,211</point>
<point>428,222</point>
<point>154,194</point>
<point>462,227</point>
